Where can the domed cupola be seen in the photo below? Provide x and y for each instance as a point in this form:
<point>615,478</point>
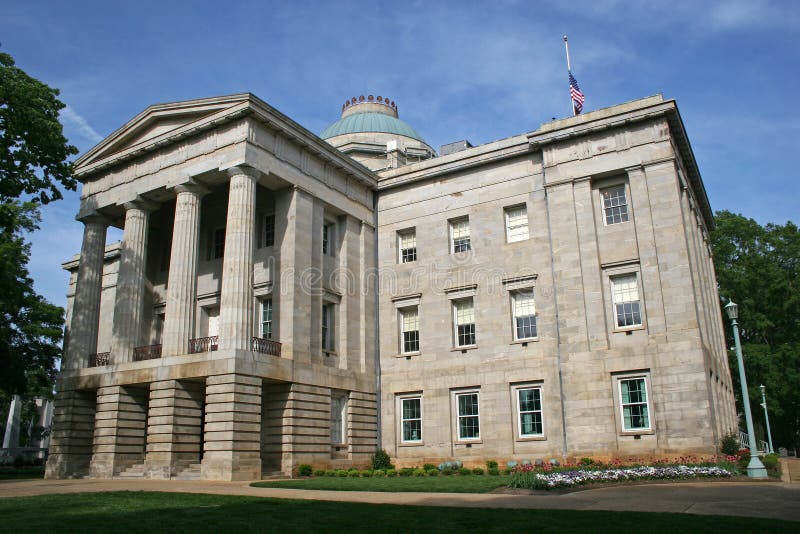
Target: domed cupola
<point>371,132</point>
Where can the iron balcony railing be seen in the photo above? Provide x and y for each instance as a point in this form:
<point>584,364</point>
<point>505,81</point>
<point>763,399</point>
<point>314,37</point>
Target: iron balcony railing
<point>265,346</point>
<point>99,359</point>
<point>203,344</point>
<point>148,352</point>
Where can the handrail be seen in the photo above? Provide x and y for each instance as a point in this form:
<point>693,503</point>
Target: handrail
<point>99,359</point>
<point>203,344</point>
<point>265,346</point>
<point>147,352</point>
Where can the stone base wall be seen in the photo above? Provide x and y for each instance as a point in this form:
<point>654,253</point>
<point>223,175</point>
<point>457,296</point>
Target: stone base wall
<point>72,434</point>
<point>120,430</point>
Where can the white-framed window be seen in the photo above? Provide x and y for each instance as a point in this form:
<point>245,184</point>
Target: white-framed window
<point>530,422</point>
<point>328,237</point>
<point>268,230</point>
<point>407,246</point>
<point>218,243</point>
<point>411,419</point>
<point>328,324</point>
<point>409,329</point>
<point>338,417</point>
<point>634,403</point>
<point>516,223</point>
<point>524,311</point>
<point>625,296</point>
<point>464,322</point>
<point>266,318</point>
<point>468,415</point>
<point>459,235</point>
<point>615,204</point>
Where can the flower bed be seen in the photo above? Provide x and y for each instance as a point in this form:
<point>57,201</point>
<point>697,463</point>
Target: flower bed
<point>527,477</point>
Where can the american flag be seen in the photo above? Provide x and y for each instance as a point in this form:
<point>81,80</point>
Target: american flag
<point>575,94</point>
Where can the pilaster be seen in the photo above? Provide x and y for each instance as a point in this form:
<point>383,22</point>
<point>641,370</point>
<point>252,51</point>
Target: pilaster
<point>81,338</point>
<point>72,434</point>
<point>236,307</point>
<point>119,430</point>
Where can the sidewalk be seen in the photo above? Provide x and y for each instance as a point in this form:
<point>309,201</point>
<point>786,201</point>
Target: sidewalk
<point>753,499</point>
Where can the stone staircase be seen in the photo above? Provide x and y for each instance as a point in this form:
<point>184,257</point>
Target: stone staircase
<point>134,471</point>
<point>273,475</point>
<point>190,472</point>
<point>790,470</point>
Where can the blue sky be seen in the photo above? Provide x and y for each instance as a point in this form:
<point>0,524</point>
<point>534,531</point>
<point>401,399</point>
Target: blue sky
<point>457,70</point>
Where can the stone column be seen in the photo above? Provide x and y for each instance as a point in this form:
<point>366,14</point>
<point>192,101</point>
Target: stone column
<point>72,434</point>
<point>129,304</point>
<point>236,306</point>
<point>182,281</point>
<point>85,320</point>
<point>11,437</point>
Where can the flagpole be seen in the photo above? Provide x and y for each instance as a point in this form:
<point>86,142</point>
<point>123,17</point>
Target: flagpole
<point>569,69</point>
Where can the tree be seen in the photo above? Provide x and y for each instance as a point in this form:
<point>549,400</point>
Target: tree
<point>758,267</point>
<point>34,161</point>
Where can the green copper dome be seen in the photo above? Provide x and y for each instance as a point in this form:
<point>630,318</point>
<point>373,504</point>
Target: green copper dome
<point>370,122</point>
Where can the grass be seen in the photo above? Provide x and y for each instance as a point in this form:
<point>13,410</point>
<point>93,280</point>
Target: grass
<point>17,473</point>
<point>182,512</point>
<point>440,484</point>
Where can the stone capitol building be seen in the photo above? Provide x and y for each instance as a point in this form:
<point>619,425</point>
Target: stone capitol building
<point>281,298</point>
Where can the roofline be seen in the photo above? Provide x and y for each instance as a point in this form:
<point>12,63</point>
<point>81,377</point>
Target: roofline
<point>249,104</point>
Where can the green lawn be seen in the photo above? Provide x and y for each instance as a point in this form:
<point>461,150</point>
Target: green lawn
<point>440,484</point>
<point>181,512</point>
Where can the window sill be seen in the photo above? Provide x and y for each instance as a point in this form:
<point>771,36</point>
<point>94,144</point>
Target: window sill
<point>408,355</point>
<point>637,432</point>
<point>468,442</point>
<point>532,438</point>
<point>524,341</point>
<point>327,353</point>
<point>465,348</point>
<point>628,328</point>
<point>411,444</point>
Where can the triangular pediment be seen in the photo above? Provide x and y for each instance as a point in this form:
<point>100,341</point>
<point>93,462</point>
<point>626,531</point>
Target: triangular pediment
<point>158,123</point>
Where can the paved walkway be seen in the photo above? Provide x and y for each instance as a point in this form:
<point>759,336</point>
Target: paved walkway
<point>753,499</point>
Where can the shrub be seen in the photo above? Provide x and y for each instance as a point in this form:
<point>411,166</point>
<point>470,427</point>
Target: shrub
<point>587,461</point>
<point>507,471</point>
<point>419,472</point>
<point>330,472</point>
<point>428,467</point>
<point>341,473</point>
<point>729,444</point>
<point>379,473</point>
<point>477,471</point>
<point>304,470</point>
<point>319,472</point>
<point>493,471</point>
<point>464,471</point>
<point>491,464</point>
<point>354,473</point>
<point>447,472</point>
<point>381,460</point>
<point>365,473</point>
<point>770,461</point>
<point>432,473</point>
<point>391,472</point>
<point>406,471</point>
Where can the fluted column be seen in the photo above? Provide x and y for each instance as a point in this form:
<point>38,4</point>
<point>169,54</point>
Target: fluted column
<point>236,307</point>
<point>129,303</point>
<point>85,320</point>
<point>182,282</point>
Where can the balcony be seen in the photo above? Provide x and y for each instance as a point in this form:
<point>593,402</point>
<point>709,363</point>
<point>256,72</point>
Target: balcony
<point>203,344</point>
<point>265,346</point>
<point>148,352</point>
<point>99,359</point>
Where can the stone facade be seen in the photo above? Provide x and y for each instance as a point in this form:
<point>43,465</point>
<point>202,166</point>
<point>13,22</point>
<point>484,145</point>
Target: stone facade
<point>264,308</point>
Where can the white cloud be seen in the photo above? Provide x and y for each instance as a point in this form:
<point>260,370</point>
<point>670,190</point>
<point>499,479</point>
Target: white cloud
<point>70,116</point>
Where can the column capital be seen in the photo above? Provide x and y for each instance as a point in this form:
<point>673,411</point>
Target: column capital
<point>238,170</point>
<point>93,217</point>
<point>140,203</point>
<point>192,186</point>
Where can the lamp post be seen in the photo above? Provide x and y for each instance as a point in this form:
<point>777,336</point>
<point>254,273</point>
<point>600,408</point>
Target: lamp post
<point>766,417</point>
<point>755,469</point>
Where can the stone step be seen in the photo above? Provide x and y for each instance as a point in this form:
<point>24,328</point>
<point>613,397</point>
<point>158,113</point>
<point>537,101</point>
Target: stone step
<point>274,475</point>
<point>134,471</point>
<point>191,472</point>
